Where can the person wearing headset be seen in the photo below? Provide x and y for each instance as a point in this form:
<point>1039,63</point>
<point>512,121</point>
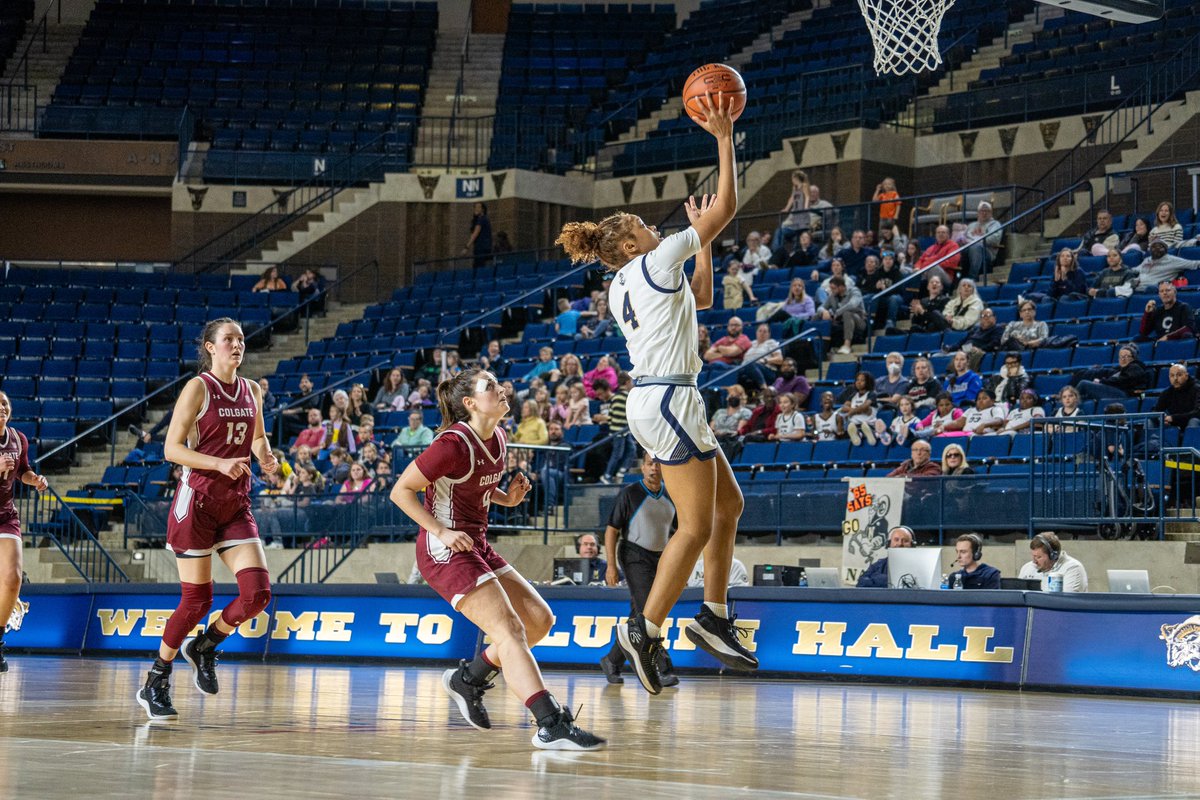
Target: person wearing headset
<point>1047,556</point>
<point>587,545</point>
<point>876,575</point>
<point>972,572</point>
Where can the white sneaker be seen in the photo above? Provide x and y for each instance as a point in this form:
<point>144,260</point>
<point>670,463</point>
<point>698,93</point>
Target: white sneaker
<point>855,435</point>
<point>868,434</point>
<point>845,350</point>
<point>275,544</point>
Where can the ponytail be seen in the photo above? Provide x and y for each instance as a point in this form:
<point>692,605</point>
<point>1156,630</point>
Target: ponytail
<point>209,334</point>
<point>598,241</point>
<point>450,396</point>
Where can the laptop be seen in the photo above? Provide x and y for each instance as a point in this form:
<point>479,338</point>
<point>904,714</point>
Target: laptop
<point>387,577</point>
<point>823,578</point>
<point>914,567</point>
<point>1129,581</point>
<point>574,570</point>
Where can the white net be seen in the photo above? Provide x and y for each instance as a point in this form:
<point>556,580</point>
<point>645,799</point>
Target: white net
<point>905,33</point>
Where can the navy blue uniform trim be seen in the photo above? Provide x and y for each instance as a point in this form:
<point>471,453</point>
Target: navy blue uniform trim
<point>655,286</point>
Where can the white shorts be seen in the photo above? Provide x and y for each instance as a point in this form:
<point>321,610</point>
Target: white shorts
<point>670,423</point>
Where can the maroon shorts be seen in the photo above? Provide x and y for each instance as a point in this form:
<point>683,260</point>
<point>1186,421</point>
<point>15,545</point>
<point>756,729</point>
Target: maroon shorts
<point>10,525</point>
<point>199,525</point>
<point>453,575</point>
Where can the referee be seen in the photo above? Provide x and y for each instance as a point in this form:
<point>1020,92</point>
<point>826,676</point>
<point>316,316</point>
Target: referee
<point>643,518</point>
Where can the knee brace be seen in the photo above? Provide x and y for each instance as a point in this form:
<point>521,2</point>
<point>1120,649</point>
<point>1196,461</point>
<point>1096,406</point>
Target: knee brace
<point>254,592</point>
<point>193,605</point>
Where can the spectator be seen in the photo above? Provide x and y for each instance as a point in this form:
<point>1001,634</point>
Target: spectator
<point>479,242</point>
<point>985,417</point>
<point>1046,558</point>
<point>893,385</point>
<point>703,341</point>
<point>973,573</point>
<point>567,321</point>
<point>382,482</point>
<point>737,574</point>
<point>313,436</point>
<point>1020,418</point>
<point>431,370</point>
<point>796,220</point>
<point>858,407</point>
<point>368,456</point>
<point>890,240</point>
<point>1100,239</point>
<point>820,216</point>
<point>577,407</point>
<point>945,420</point>
<point>356,484</point>
<point>1128,378</point>
<point>544,365</point>
<point>302,459</point>
<point>919,465</point>
<point>923,389</point>
<point>357,405</point>
<point>496,360</point>
<point>339,467</point>
<point>569,372</point>
<point>795,251</point>
<point>789,423</point>
<point>337,431</point>
<point>790,381</point>
<point>729,349</point>
<point>837,269</point>
<point>268,399</point>
<point>762,372</point>
<point>845,308</point>
<point>1138,238</point>
<point>876,575</point>
<point>270,281</point>
<point>1011,380</point>
<point>1114,274</point>
<point>942,247</point>
<point>1159,266</point>
<point>854,257</point>
<point>560,410</point>
<point>1171,320</point>
<point>1068,400</point>
<point>910,255</point>
<point>965,308</point>
<point>295,416</point>
<point>604,371</point>
<point>981,257</point>
<point>872,281</point>
<point>366,432</point>
<point>422,395</point>
<point>1068,282</point>
<point>833,245</point>
<point>983,337</point>
<point>728,420</point>
<point>532,428</point>
<point>600,324</point>
<point>827,424</point>
<point>926,312</point>
<point>309,285</point>
<point>416,436</point>
<point>796,306</point>
<point>903,425</point>
<point>624,448</point>
<point>761,424</point>
<point>756,256</point>
<point>1166,227</point>
<point>962,384</point>
<point>735,291</point>
<point>394,390</point>
<point>1179,401</point>
<point>1027,332</point>
<point>888,199</point>
<point>954,462</point>
<point>888,310</point>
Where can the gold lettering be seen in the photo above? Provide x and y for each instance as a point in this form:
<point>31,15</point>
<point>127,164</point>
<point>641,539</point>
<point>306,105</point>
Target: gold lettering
<point>922,645</point>
<point>751,627</point>
<point>396,624</point>
<point>303,625</point>
<point>556,638</point>
<point>817,639</point>
<point>682,642</point>
<point>156,621</point>
<point>117,621</point>
<point>434,629</point>
<point>333,626</point>
<point>878,637</point>
<point>977,647</point>
<point>255,628</point>
<point>594,631</point>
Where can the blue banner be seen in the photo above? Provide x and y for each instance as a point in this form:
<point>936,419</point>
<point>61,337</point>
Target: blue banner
<point>136,621</point>
<point>54,622</point>
<point>468,188</point>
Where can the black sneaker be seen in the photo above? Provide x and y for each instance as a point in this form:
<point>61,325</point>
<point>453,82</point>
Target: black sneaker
<point>467,696</point>
<point>611,671</point>
<point>155,697</point>
<point>203,664</point>
<point>642,652</point>
<point>564,734</point>
<point>3,663</point>
<point>719,638</point>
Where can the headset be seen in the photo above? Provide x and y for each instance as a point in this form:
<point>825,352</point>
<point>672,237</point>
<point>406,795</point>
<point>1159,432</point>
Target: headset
<point>976,546</point>
<point>1045,543</point>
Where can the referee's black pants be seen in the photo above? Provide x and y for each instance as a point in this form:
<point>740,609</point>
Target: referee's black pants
<point>640,566</point>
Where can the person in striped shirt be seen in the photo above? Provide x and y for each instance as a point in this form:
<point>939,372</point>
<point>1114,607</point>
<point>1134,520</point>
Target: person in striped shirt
<point>618,426</point>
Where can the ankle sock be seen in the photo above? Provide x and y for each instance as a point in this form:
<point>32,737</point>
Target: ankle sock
<point>652,630</point>
<point>720,609</point>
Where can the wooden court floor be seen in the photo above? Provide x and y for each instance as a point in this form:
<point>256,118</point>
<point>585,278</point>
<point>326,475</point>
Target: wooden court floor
<point>69,728</point>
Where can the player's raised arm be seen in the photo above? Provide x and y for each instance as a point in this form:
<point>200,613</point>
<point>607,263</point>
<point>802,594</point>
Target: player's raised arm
<point>702,277</point>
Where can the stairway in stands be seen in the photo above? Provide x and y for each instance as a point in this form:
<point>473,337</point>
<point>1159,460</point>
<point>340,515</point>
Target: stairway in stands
<point>481,85</point>
<point>45,67</point>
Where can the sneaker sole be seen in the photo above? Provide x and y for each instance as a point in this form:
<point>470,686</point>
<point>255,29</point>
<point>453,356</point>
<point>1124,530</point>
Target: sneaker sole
<point>566,744</point>
<point>699,637</point>
<point>146,707</point>
<point>459,700</point>
<point>632,657</point>
<point>195,669</point>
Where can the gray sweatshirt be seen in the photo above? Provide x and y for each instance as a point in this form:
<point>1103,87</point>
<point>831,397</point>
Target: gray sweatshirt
<point>851,301</point>
<point>1153,272</point>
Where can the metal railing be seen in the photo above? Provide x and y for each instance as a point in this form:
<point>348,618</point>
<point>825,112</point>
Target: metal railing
<point>18,107</point>
<point>1181,194</point>
<point>49,516</point>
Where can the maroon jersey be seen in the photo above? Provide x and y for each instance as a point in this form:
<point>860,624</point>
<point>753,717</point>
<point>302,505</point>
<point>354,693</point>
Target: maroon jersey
<point>12,443</point>
<point>224,429</point>
<point>463,471</point>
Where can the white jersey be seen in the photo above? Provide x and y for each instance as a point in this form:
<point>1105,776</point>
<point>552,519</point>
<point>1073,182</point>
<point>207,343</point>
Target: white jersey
<point>656,310</point>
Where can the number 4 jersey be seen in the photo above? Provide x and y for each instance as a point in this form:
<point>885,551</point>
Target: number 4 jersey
<point>224,429</point>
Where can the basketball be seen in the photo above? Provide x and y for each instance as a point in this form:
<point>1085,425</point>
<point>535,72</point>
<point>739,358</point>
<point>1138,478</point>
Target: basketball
<point>713,78</point>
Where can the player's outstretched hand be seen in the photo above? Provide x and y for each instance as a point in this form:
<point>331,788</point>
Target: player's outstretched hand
<point>717,119</point>
<point>457,541</point>
<point>270,463</point>
<point>696,211</point>
<point>518,488</point>
<point>40,483</point>
<point>234,468</point>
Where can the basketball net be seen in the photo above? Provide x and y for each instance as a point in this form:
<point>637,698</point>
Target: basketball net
<point>905,33</point>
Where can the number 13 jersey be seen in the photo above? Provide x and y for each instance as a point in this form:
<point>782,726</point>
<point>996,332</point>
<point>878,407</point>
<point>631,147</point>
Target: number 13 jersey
<point>656,310</point>
<point>224,429</point>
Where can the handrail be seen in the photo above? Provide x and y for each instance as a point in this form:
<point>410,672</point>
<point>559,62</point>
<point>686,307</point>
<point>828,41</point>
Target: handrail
<point>41,27</point>
<point>464,56</point>
<point>307,305</point>
<point>1192,166</point>
<point>82,549</point>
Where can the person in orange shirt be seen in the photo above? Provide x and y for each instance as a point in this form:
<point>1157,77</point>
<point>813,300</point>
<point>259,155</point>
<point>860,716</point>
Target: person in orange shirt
<point>886,195</point>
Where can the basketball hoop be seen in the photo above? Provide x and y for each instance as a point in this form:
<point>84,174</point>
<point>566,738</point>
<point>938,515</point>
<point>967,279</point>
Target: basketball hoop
<point>905,33</point>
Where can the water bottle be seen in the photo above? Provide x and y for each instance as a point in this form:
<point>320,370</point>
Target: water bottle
<point>803,582</point>
<point>958,581</point>
<point>945,581</point>
<point>1056,582</point>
